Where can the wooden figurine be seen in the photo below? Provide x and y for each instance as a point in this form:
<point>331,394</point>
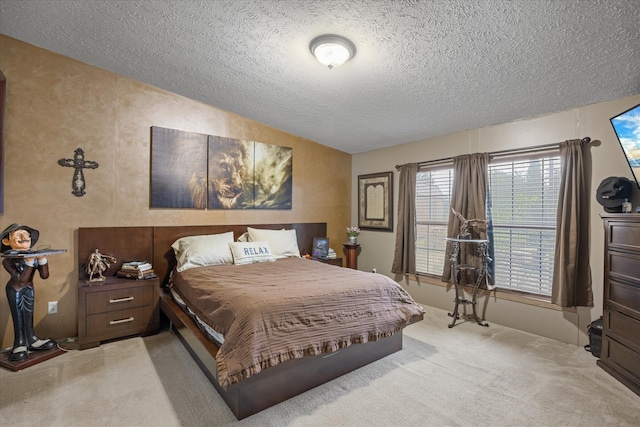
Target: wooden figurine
<point>466,225</point>
<point>98,264</point>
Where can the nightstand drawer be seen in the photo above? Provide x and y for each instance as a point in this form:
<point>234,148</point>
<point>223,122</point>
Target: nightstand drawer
<point>119,299</point>
<point>115,324</point>
<point>330,261</point>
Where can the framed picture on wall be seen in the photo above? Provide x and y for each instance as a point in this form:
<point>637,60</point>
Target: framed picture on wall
<point>3,90</point>
<point>375,201</point>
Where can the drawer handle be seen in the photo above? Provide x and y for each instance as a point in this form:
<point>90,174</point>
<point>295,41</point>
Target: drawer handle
<point>115,322</point>
<point>111,301</point>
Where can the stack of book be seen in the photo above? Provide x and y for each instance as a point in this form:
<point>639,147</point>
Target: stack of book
<point>136,270</point>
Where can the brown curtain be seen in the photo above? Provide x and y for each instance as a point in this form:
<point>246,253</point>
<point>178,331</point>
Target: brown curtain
<point>572,272</point>
<point>468,197</point>
<point>404,260</point>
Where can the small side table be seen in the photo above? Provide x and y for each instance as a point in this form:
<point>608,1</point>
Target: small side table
<point>456,267</point>
<point>351,250</point>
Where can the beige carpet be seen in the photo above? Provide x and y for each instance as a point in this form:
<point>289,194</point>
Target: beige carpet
<point>465,376</point>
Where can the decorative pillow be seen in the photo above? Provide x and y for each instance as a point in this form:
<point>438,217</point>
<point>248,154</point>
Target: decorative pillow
<point>210,249</point>
<point>251,252</point>
<point>244,237</point>
<point>283,243</point>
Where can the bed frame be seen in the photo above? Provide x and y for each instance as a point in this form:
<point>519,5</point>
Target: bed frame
<point>269,387</point>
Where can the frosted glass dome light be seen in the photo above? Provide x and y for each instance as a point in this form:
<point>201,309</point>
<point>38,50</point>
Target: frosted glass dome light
<point>332,50</point>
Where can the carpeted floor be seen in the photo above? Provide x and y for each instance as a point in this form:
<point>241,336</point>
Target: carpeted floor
<point>465,376</point>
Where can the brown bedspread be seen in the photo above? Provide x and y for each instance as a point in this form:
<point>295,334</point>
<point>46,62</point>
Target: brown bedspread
<point>276,311</point>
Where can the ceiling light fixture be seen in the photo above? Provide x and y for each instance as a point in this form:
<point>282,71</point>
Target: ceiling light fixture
<point>332,50</point>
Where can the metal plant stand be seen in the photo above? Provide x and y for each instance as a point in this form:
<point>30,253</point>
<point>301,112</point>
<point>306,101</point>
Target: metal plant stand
<point>456,268</point>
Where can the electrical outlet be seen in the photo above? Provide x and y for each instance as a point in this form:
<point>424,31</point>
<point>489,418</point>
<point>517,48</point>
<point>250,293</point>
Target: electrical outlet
<point>53,307</point>
<point>373,270</point>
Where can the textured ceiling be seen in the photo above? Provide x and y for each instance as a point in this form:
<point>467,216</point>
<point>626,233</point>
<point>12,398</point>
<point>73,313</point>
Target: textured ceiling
<point>422,68</point>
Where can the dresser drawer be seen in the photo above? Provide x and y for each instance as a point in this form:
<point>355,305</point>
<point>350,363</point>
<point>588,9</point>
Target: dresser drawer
<point>624,235</point>
<point>114,324</point>
<point>118,299</point>
<point>623,328</point>
<point>624,359</point>
<point>623,296</point>
<point>624,265</point>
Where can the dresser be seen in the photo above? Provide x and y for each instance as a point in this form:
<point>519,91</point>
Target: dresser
<point>620,354</point>
<point>117,308</point>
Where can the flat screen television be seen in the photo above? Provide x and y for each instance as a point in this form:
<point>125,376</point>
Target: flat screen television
<point>627,128</point>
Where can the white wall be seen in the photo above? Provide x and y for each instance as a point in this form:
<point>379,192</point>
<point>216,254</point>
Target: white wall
<point>377,248</point>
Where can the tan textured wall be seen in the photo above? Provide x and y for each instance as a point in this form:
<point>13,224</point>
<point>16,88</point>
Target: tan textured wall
<point>608,160</point>
<point>55,105</point>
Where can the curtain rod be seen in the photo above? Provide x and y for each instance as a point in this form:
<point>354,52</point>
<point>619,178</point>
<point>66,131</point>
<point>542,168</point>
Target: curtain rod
<point>585,140</point>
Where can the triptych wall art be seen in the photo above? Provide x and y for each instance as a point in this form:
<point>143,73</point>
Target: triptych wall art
<point>195,171</point>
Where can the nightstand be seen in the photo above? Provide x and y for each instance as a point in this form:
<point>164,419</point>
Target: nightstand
<point>334,261</point>
<point>117,308</point>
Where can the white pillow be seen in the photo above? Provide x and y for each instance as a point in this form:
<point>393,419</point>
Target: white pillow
<point>251,252</point>
<point>209,249</point>
<point>283,243</point>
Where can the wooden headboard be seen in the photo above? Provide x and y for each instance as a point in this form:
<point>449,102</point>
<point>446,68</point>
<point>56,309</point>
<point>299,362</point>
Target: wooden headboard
<point>154,243</point>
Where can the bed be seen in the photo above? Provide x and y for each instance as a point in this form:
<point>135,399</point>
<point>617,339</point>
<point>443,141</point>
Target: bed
<point>268,380</point>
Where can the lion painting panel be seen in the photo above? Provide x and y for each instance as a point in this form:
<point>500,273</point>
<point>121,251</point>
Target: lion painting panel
<point>230,173</point>
<point>273,177</point>
<point>178,165</point>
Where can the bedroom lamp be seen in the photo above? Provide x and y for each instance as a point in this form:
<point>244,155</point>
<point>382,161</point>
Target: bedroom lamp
<point>332,50</point>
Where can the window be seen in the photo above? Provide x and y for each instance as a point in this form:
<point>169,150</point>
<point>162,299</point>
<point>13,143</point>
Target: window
<point>524,198</point>
<point>433,199</point>
<point>524,202</point>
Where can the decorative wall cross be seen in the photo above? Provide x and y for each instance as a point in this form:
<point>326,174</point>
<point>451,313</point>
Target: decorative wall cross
<point>78,163</point>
